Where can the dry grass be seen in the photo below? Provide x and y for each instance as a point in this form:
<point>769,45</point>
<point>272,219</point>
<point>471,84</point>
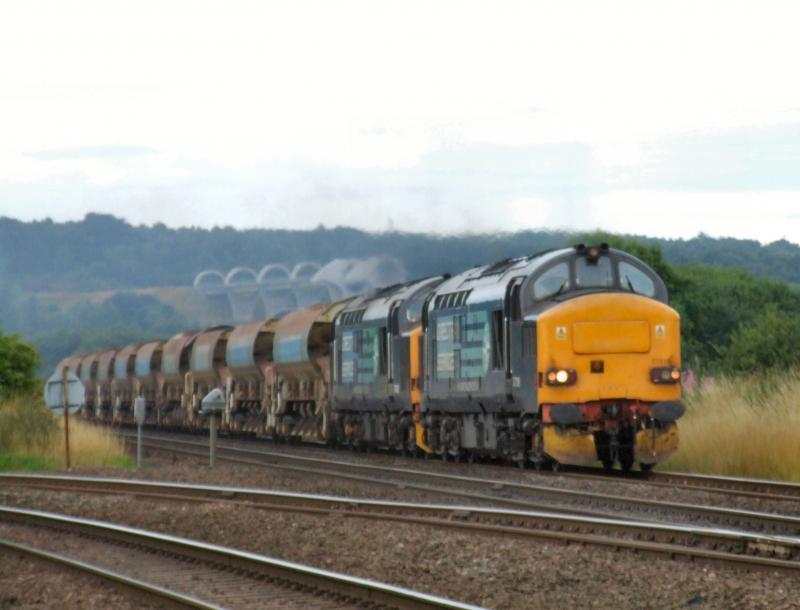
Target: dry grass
<point>31,438</point>
<point>89,446</point>
<point>747,426</point>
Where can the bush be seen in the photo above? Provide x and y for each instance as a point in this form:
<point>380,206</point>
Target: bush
<point>26,426</point>
<point>18,362</point>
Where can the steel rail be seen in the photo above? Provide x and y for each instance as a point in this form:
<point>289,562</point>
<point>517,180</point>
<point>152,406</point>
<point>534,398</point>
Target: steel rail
<point>761,489</point>
<point>497,491</point>
<point>756,488</point>
<point>155,592</point>
<point>635,535</point>
<point>356,591</point>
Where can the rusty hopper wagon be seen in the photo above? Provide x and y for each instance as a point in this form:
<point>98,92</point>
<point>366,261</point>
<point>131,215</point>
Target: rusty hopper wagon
<point>88,375</point>
<point>301,349</point>
<point>124,382</point>
<point>105,375</point>
<point>208,368</point>
<point>174,385</point>
<point>249,359</point>
<point>148,378</point>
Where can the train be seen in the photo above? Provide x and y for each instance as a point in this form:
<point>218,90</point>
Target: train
<point>564,357</point>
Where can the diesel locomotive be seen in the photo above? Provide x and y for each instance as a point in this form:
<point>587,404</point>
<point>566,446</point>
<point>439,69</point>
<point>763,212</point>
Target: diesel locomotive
<point>570,356</point>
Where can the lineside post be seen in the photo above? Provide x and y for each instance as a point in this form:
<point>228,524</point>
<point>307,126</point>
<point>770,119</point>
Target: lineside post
<point>65,390</point>
<point>212,406</point>
<point>139,406</point>
<point>212,441</point>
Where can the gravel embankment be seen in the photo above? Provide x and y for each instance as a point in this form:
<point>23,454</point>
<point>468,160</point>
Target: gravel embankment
<point>28,584</point>
<point>481,569</point>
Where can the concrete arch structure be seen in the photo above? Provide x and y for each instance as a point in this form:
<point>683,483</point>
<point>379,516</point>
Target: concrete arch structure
<point>210,280</point>
<point>274,273</point>
<point>275,288</point>
<point>242,290</point>
<point>305,291</point>
<point>211,284</point>
<point>304,271</point>
<point>278,289</point>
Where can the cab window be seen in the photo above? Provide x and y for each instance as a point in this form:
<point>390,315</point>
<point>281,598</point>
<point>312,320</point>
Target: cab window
<point>594,274</point>
<point>552,281</point>
<point>634,279</point>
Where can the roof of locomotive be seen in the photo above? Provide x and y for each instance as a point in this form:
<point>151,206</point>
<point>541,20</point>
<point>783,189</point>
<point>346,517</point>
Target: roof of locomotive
<point>488,282</point>
<point>377,303</point>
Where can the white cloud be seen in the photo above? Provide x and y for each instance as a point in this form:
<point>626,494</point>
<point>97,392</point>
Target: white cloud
<point>370,92</point>
<point>767,216</point>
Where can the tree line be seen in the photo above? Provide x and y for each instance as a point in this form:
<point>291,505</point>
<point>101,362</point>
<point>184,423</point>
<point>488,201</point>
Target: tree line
<point>102,252</point>
<point>732,318</point>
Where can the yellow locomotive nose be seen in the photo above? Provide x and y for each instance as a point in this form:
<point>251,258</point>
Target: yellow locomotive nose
<point>612,341</point>
<point>625,353</point>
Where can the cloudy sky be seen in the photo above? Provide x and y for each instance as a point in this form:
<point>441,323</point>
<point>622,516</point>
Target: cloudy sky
<point>662,118</point>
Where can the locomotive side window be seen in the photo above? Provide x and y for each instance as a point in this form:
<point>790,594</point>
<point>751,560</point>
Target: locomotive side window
<point>634,279</point>
<point>552,281</point>
<point>595,274</point>
<point>463,345</point>
<point>362,355</point>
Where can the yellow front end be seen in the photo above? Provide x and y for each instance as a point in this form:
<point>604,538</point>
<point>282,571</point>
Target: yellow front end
<point>653,447</point>
<point>610,343</point>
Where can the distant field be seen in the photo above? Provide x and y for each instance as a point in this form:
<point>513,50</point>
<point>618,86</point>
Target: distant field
<point>182,298</point>
<point>746,426</point>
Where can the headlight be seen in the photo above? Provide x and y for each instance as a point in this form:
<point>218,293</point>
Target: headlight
<point>561,377</point>
<point>665,374</point>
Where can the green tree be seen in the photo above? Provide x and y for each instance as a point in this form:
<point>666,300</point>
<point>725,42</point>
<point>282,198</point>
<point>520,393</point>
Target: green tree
<point>770,341</point>
<point>715,302</point>
<point>18,362</point>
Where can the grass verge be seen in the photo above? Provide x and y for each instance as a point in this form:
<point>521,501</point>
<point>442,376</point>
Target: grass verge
<point>32,438</point>
<point>744,426</point>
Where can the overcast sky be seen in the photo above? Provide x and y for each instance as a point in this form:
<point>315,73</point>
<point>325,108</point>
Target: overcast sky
<point>661,118</point>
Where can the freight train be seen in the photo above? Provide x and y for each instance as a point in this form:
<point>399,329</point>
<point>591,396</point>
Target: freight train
<point>569,356</point>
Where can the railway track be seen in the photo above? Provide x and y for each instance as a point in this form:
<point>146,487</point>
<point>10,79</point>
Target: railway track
<point>754,488</point>
<point>502,492</point>
<point>729,547</point>
<point>763,489</point>
<point>194,574</point>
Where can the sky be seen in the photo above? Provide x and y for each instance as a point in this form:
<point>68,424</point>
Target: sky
<point>659,118</point>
